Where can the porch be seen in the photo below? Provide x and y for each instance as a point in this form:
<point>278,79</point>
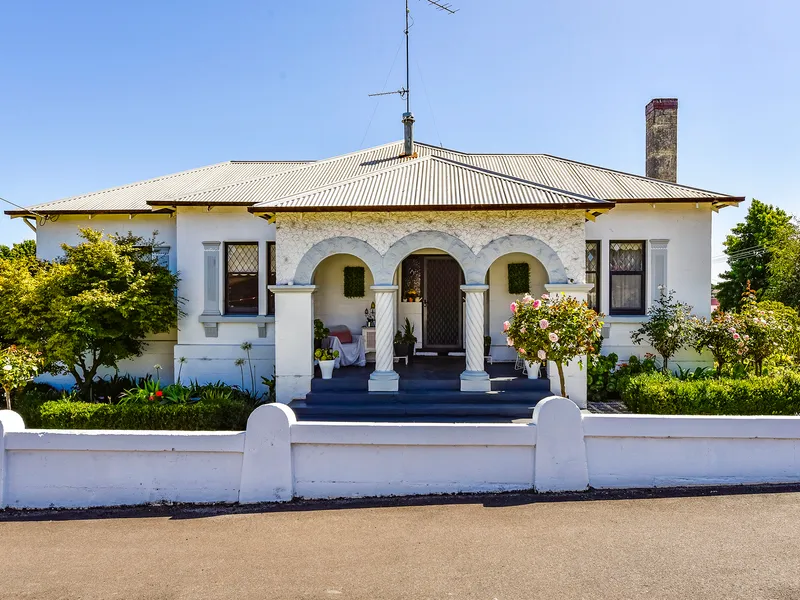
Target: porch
<point>429,391</point>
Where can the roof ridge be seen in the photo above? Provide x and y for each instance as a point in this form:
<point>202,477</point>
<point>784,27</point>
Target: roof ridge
<point>264,177</point>
<point>433,157</point>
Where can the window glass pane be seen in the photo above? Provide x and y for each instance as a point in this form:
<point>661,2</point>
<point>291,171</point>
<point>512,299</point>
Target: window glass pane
<point>241,278</point>
<point>243,294</point>
<point>242,258</point>
<point>591,297</point>
<point>592,261</point>
<point>412,277</point>
<point>626,292</point>
<point>626,256</point>
<point>272,276</point>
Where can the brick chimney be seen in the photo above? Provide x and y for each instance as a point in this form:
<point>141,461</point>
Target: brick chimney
<point>661,118</point>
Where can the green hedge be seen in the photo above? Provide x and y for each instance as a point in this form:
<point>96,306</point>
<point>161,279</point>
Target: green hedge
<point>662,395</point>
<point>199,416</point>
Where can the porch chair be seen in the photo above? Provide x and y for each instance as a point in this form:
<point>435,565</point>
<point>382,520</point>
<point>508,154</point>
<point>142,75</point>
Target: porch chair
<point>352,350</point>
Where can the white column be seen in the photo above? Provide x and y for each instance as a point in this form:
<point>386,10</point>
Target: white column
<point>294,340</point>
<point>574,376</point>
<point>384,378</point>
<point>474,378</point>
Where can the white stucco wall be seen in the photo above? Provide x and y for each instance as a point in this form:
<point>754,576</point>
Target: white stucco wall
<point>277,458</point>
<point>499,300</point>
<point>330,303</point>
<point>561,230</point>
<point>211,359</point>
<point>688,228</point>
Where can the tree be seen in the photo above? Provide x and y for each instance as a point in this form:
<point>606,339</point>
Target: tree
<point>555,328</point>
<point>723,336</point>
<point>92,308</point>
<point>669,328</point>
<point>784,271</point>
<point>20,250</point>
<point>17,367</point>
<point>749,248</point>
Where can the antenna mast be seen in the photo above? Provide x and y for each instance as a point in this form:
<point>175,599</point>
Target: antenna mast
<point>408,118</point>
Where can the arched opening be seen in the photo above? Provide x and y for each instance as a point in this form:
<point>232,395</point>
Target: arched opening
<point>343,301</point>
<point>509,277</point>
<point>429,284</point>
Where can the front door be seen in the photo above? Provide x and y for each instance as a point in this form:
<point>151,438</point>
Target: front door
<point>442,305</point>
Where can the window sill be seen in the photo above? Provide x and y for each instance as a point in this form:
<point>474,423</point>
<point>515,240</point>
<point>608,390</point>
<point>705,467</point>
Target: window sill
<point>211,322</point>
<point>625,319</point>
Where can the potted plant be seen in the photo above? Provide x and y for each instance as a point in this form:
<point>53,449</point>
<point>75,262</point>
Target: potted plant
<point>487,345</point>
<point>327,359</point>
<point>400,346</point>
<point>409,339</point>
<point>320,333</point>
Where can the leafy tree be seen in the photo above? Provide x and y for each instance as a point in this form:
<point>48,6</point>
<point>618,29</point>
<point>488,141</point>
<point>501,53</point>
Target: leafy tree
<point>92,308</point>
<point>557,328</point>
<point>764,228</point>
<point>784,271</point>
<point>723,336</point>
<point>768,328</point>
<point>669,328</point>
<point>17,367</point>
<point>20,250</point>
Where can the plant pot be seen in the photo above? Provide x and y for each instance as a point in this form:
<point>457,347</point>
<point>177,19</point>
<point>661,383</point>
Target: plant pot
<point>401,349</point>
<point>532,367</point>
<point>326,367</point>
<point>410,350</point>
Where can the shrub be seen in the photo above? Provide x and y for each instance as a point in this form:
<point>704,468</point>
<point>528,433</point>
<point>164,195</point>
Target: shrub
<point>601,379</point>
<point>668,329</point>
<point>224,414</point>
<point>660,394</point>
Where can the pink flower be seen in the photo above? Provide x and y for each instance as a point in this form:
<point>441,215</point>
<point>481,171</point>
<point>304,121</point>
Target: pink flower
<point>537,303</point>
<point>736,336</point>
<point>541,354</point>
<point>523,329</point>
<point>553,337</point>
<point>527,299</point>
<point>506,325</point>
<point>544,324</point>
<point>521,351</point>
<point>513,307</point>
<point>509,341</point>
<point>545,296</point>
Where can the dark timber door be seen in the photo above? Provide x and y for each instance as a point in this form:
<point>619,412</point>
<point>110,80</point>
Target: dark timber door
<point>442,308</point>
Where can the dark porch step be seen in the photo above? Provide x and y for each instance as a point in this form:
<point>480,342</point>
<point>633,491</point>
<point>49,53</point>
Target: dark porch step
<point>377,411</point>
<point>499,384</point>
<point>425,398</point>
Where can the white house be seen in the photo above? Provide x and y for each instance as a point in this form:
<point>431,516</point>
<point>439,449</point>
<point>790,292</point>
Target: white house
<point>261,249</point>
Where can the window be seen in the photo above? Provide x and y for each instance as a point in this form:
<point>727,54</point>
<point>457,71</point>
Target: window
<point>626,269</point>
<point>241,278</point>
<point>593,273</point>
<point>272,276</point>
<point>161,254</point>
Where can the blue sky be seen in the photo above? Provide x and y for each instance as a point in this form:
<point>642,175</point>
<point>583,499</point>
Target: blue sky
<point>97,94</point>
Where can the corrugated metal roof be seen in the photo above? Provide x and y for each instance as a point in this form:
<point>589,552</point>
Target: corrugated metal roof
<point>430,182</point>
<point>134,197</point>
<point>250,183</point>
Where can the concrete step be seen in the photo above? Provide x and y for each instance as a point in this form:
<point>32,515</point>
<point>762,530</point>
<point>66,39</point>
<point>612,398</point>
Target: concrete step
<point>425,398</point>
<point>448,411</point>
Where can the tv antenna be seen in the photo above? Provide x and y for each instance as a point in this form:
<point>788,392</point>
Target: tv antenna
<point>405,92</point>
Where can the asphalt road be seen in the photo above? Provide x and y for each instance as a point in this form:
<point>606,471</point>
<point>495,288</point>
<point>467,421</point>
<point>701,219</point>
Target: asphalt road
<point>506,547</point>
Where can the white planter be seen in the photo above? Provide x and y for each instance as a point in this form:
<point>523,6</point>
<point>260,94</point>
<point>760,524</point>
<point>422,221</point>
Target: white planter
<point>326,366</point>
<point>532,367</point>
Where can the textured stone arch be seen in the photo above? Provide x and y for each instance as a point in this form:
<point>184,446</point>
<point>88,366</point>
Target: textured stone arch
<point>527,245</point>
<point>304,272</point>
<point>429,239</point>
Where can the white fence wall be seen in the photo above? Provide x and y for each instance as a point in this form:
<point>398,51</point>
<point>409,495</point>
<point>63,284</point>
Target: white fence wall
<point>278,459</point>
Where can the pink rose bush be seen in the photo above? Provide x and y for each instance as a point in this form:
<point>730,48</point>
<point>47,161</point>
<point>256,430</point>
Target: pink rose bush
<point>559,328</point>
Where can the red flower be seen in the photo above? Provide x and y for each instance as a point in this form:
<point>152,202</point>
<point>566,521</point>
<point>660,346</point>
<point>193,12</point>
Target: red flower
<point>159,393</point>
